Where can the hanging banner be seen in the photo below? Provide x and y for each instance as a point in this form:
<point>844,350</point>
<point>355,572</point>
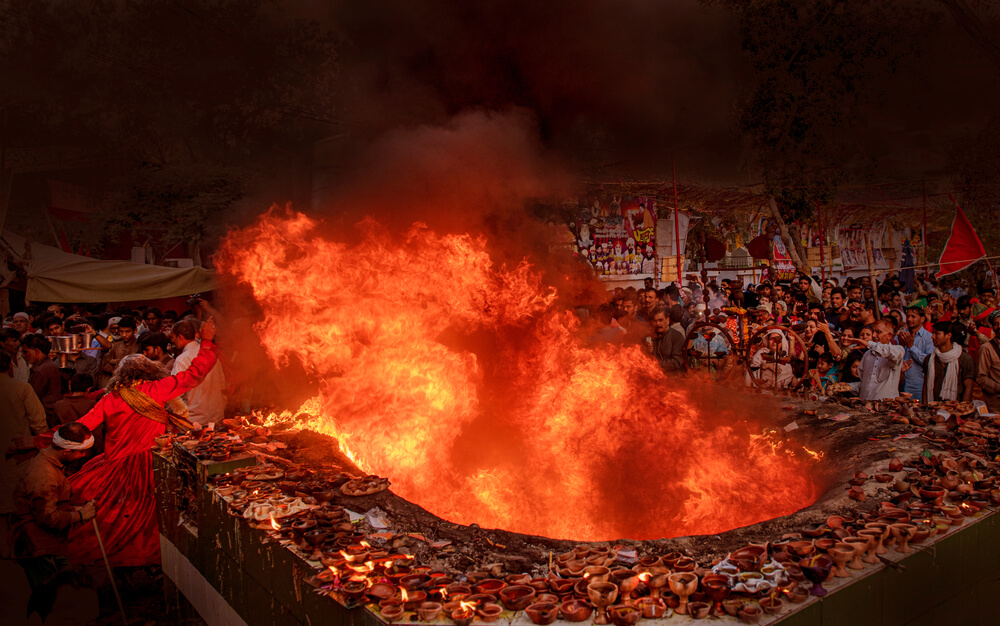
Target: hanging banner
<point>618,237</point>
<point>784,269</point>
<point>851,242</point>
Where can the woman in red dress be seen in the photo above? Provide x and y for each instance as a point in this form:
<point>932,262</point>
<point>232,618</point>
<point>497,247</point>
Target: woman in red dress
<point>121,479</point>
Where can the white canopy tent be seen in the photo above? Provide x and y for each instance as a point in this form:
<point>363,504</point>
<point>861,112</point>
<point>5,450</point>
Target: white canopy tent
<point>57,276</point>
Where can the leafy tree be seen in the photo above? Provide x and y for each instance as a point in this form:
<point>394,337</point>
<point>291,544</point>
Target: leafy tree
<point>187,99</point>
<point>816,66</point>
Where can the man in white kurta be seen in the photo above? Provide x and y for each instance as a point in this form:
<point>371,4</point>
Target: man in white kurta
<point>206,402</point>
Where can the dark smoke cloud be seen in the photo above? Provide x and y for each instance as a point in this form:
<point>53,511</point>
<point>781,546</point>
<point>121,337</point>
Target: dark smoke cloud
<point>606,80</point>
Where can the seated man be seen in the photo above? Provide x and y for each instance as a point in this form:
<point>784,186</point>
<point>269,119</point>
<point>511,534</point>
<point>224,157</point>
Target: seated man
<point>770,365</point>
<point>948,371</point>
<point>43,514</point>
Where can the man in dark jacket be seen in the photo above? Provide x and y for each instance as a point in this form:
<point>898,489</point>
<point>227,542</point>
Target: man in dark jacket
<point>668,340</point>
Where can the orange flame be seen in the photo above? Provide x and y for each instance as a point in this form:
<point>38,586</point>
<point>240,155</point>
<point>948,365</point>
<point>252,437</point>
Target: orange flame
<point>404,595</point>
<point>444,593</point>
<point>467,606</point>
<point>645,576</point>
<point>274,522</point>
<point>471,389</point>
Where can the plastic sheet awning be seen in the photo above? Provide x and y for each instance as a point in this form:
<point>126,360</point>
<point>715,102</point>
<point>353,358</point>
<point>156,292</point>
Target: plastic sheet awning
<point>57,276</point>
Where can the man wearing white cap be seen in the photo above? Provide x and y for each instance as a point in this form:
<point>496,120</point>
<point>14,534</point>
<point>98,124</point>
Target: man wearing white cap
<point>20,322</point>
<point>43,514</point>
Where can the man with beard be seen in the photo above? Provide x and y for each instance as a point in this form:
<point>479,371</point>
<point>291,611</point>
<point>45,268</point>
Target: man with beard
<point>881,364</point>
<point>668,338</point>
<point>126,345</point>
<point>988,370</point>
<point>949,371</point>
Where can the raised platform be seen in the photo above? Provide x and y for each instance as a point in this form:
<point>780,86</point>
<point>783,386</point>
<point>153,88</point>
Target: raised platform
<point>233,574</point>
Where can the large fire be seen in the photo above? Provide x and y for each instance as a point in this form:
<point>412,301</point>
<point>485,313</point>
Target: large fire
<point>469,387</point>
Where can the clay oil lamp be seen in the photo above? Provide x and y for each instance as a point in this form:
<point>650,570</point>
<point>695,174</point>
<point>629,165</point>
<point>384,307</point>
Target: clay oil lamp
<point>543,613</point>
<point>699,609</point>
<point>903,533</point>
<point>391,610</point>
<point>841,553</point>
<point>575,610</point>
<point>412,599</point>
<point>517,597</point>
<point>749,558</point>
<point>596,559</point>
<point>381,591</point>
<point>858,546</point>
<point>895,465</point>
<point>733,607</point>
<point>815,531</point>
<point>628,587</point>
<point>655,579</point>
<point>491,586</point>
<point>682,584</point>
<point>932,494</point>
<point>684,564</point>
<point>884,478</point>
<point>566,557</point>
<point>518,579</point>
<point>412,582</point>
<point>651,608</point>
<point>463,616</point>
<point>574,569</point>
<point>563,586</point>
<point>824,544</point>
<point>750,614</point>
<point>772,605</point>
<point>548,598</point>
<point>481,598</point>
<point>457,589</point>
<point>801,548</point>
<point>718,591</point>
<point>817,570</point>
<point>651,561</point>
<point>797,595</point>
<point>596,573</point>
<point>874,537</point>
<point>883,530</point>
<point>950,480</point>
<point>624,615</point>
<point>429,611</point>
<point>601,595</point>
<point>540,585</point>
<point>354,589</point>
<point>489,612</point>
<point>670,559</point>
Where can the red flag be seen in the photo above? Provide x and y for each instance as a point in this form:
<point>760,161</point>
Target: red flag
<point>963,247</point>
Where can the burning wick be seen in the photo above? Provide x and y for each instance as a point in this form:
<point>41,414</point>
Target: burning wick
<point>365,544</point>
<point>274,523</point>
<point>645,576</point>
<point>404,595</point>
<point>467,606</point>
<point>444,593</point>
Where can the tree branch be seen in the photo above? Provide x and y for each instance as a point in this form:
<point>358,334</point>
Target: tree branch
<point>974,26</point>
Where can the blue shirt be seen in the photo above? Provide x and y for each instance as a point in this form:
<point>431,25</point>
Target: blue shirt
<point>913,378</point>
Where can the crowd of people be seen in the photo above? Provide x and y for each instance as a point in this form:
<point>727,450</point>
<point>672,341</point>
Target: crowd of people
<point>931,340</point>
<point>78,427</point>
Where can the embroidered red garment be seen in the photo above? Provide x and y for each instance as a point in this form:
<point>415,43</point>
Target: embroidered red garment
<point>121,479</point>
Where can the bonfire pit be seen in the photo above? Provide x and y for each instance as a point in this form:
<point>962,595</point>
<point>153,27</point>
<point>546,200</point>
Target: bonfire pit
<point>305,536</point>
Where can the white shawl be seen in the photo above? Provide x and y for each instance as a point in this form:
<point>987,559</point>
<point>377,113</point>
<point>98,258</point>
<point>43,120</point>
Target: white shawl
<point>949,387</point>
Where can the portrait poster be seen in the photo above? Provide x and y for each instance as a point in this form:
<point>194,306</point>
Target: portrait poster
<point>617,237</point>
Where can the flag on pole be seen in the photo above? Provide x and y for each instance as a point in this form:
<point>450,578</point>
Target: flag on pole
<point>963,247</point>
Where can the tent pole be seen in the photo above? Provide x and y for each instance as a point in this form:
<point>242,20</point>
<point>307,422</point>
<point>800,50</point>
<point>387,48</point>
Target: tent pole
<point>677,224</point>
